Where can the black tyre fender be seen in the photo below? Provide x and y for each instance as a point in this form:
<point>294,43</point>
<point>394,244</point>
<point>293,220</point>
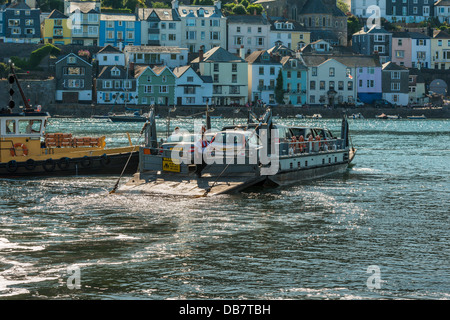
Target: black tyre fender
<point>64,163</point>
<point>12,166</point>
<point>105,160</point>
<point>49,165</point>
<point>86,162</point>
<point>30,164</point>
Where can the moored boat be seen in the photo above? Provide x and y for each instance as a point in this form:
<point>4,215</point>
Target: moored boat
<point>128,117</point>
<point>27,150</point>
<point>417,117</point>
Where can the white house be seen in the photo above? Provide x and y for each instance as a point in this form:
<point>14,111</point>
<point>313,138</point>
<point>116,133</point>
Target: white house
<point>156,55</point>
<point>249,31</point>
<point>159,26</point>
<point>420,50</point>
<point>110,56</point>
<point>442,10</point>
<point>263,70</point>
<point>366,8</point>
<point>192,88</point>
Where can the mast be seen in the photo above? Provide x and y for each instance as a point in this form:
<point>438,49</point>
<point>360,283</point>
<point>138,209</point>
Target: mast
<point>11,81</point>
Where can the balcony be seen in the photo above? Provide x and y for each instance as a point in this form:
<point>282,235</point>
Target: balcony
<point>266,88</point>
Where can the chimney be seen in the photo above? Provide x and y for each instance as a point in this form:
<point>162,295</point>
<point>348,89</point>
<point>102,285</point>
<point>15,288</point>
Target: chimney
<point>242,52</point>
<point>131,68</point>
<point>175,4</point>
<point>200,54</point>
<point>218,4</point>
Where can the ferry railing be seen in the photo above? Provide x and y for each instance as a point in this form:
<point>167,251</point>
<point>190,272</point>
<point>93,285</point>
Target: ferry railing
<point>308,147</point>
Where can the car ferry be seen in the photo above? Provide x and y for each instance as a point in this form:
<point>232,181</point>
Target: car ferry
<point>267,155</point>
<point>27,150</point>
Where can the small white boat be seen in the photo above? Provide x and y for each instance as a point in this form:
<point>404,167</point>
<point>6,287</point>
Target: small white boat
<point>317,116</point>
<point>299,116</point>
<point>393,117</point>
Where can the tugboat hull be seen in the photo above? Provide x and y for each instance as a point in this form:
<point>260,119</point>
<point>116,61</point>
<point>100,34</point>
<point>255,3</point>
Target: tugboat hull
<point>107,164</point>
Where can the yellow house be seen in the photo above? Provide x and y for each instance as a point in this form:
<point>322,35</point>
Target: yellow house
<point>57,28</point>
<point>440,50</point>
<point>300,39</point>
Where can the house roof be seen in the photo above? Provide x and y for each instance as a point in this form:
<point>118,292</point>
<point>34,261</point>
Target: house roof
<point>218,54</point>
<point>318,7</point>
<point>79,59</point>
<point>18,5</point>
<point>391,66</point>
<point>109,49</point>
<point>440,34</point>
<point>164,14</point>
<point>179,71</point>
<point>373,30</point>
<point>158,69</point>
<point>295,25</point>
<point>442,3</point>
<point>55,14</point>
<point>118,17</point>
<point>139,69</point>
<point>83,6</point>
<point>105,73</point>
<point>154,49</point>
<point>256,57</point>
<point>248,19</point>
<point>196,11</point>
<point>347,60</point>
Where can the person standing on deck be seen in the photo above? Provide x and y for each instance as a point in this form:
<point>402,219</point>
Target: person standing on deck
<point>199,149</point>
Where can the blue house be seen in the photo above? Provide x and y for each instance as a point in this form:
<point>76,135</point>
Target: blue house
<point>119,29</point>
<point>295,80</point>
<point>19,23</point>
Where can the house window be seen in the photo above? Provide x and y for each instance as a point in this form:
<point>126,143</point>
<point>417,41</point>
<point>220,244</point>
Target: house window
<point>13,22</point>
<point>350,85</point>
<point>148,89</point>
<point>395,86</point>
<point>29,22</point>
<point>71,60</point>
<point>234,67</point>
<point>314,71</point>
<point>331,72</point>
<point>216,67</point>
<point>395,75</point>
<point>78,71</point>
<point>163,89</point>
<point>115,72</point>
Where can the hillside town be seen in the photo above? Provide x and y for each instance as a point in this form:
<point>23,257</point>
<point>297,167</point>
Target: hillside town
<point>267,52</point>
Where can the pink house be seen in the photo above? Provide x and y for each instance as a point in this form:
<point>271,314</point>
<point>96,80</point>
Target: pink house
<point>401,49</point>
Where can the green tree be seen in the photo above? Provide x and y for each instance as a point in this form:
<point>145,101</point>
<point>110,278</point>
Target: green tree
<point>279,92</point>
<point>255,7</point>
<point>353,26</point>
<point>157,4</point>
<point>132,4</point>
<point>343,6</point>
<point>239,9</point>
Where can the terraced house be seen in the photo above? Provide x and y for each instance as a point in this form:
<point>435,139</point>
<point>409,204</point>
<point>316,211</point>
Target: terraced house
<point>202,26</point>
<point>229,74</point>
<point>57,28</point>
<point>157,55</point>
<point>116,85</point>
<point>119,29</point>
<point>85,16</point>
<point>19,23</point>
<point>440,50</point>
<point>159,26</point>
<point>155,86</point>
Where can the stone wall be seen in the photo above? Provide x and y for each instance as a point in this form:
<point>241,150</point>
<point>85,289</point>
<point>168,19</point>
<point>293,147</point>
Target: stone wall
<point>39,92</point>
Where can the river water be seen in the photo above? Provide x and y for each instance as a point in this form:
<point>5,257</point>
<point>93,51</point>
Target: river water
<point>379,231</point>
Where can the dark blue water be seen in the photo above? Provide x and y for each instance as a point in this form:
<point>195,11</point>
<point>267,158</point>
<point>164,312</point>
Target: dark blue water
<point>314,240</point>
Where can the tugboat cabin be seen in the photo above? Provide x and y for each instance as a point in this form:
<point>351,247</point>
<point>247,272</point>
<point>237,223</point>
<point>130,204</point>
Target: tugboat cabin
<point>21,133</point>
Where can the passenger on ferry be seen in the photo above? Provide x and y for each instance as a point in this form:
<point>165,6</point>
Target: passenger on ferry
<point>301,144</point>
<point>293,146</point>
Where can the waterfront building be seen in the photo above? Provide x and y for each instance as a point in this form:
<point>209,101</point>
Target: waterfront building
<point>289,33</point>
<point>369,79</point>
<point>57,28</point>
<point>74,77</point>
<point>116,85</point>
<point>202,27</point>
<point>440,50</point>
<point>157,55</point>
<point>85,16</point>
<point>160,27</point>
<point>250,31</point>
<point>119,29</point>
<point>361,8</point>
<point>263,70</point>
<point>395,81</point>
<point>229,74</point>
<point>374,40</point>
<point>295,80</point>
<point>155,86</point>
<point>409,11</point>
<point>19,23</point>
<point>191,88</point>
<point>442,10</point>
<point>417,92</point>
<point>110,56</point>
